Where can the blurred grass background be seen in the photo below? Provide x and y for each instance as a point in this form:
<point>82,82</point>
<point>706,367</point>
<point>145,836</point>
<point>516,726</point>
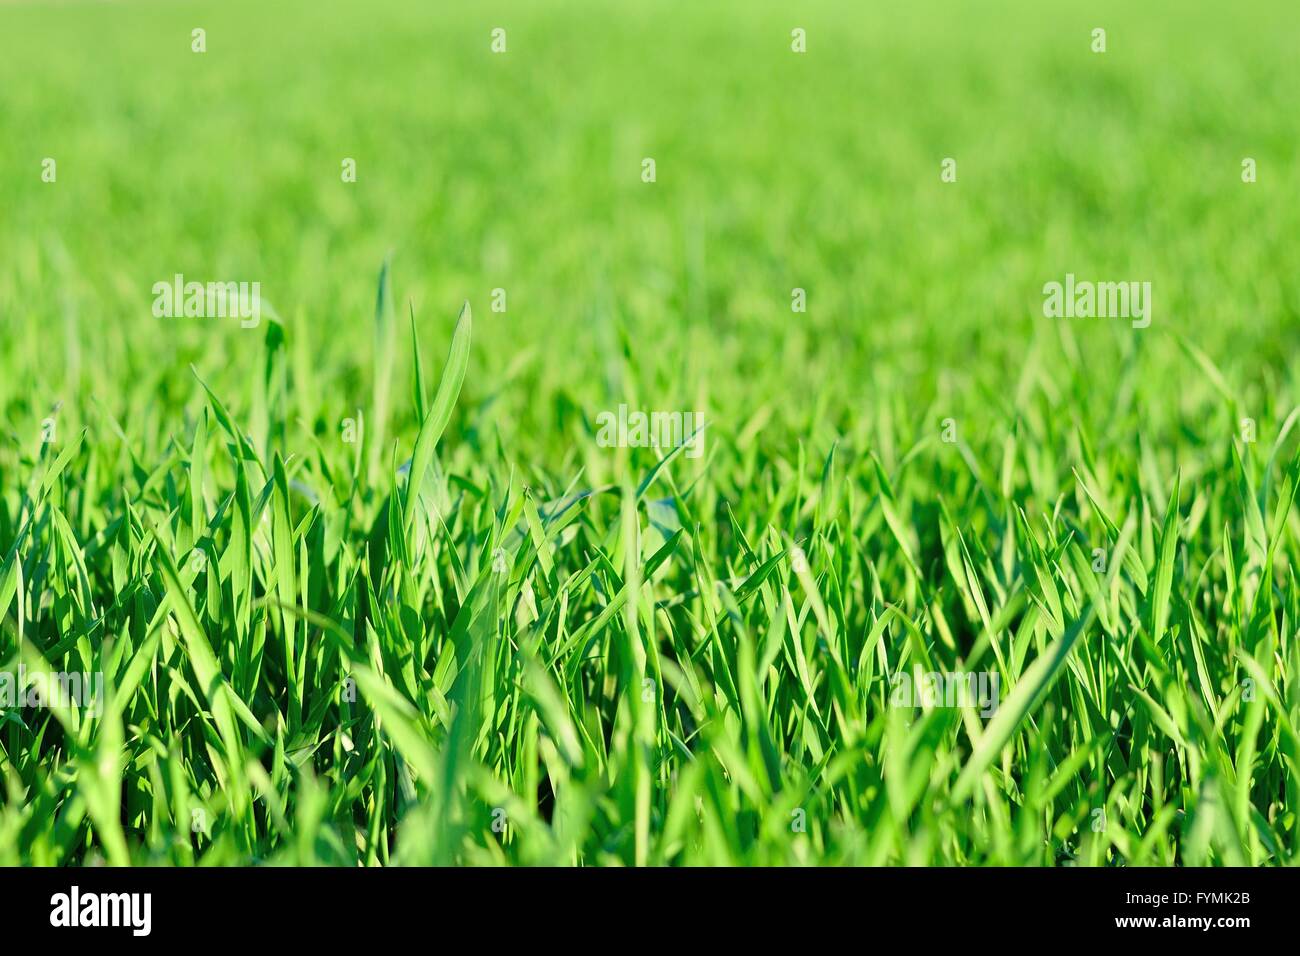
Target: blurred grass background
<point>775,171</point>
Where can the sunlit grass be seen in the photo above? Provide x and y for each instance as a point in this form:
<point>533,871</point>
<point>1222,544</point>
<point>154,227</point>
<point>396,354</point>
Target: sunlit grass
<point>364,586</point>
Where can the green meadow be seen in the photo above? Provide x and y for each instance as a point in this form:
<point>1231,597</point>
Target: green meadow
<point>364,575</point>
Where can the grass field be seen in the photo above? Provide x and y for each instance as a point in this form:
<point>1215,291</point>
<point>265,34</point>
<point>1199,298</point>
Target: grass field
<point>366,583</point>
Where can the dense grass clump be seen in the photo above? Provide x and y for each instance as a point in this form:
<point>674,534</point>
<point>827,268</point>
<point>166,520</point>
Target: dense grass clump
<point>366,585</point>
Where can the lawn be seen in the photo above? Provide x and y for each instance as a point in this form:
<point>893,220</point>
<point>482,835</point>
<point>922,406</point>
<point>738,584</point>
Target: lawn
<point>643,434</point>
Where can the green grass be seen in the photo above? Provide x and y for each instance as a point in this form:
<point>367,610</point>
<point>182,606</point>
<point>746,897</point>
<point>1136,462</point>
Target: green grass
<point>313,648</point>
